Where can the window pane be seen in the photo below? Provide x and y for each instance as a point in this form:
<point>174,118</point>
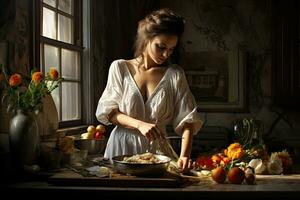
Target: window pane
<point>50,2</point>
<point>65,31</point>
<point>70,101</point>
<point>58,23</point>
<point>65,6</point>
<point>51,57</point>
<point>70,64</point>
<point>49,23</point>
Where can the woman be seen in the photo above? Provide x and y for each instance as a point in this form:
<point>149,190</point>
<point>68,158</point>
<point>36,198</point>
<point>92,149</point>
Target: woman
<point>145,94</point>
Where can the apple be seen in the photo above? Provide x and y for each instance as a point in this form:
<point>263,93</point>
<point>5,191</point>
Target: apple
<point>218,174</point>
<point>100,128</point>
<point>98,135</point>
<point>91,129</point>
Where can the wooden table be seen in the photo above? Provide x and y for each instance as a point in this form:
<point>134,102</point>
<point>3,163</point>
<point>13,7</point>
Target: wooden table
<point>268,186</point>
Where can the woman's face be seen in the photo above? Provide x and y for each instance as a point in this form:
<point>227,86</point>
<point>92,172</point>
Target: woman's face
<point>161,47</point>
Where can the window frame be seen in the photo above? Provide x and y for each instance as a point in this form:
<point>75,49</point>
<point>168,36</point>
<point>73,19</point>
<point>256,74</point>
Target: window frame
<point>77,25</point>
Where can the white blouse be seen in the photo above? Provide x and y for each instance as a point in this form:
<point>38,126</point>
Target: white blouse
<point>170,103</point>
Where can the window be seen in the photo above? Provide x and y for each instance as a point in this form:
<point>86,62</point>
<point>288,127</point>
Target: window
<point>61,47</point>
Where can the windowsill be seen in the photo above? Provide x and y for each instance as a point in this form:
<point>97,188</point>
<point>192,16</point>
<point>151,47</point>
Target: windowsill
<point>65,132</point>
<point>72,130</point>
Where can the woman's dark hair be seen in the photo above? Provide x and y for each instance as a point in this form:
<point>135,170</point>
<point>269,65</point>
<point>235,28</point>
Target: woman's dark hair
<point>163,21</point>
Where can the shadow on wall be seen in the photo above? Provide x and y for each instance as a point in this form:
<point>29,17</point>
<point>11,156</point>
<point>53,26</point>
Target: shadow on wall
<point>282,129</point>
<point>210,138</point>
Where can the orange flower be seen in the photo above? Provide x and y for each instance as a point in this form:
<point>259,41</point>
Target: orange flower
<point>37,77</point>
<point>15,80</point>
<point>235,151</point>
<point>225,161</point>
<point>27,96</point>
<point>225,152</point>
<point>216,158</point>
<point>53,73</point>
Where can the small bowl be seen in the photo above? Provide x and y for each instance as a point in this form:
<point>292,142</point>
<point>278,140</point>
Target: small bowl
<point>93,146</point>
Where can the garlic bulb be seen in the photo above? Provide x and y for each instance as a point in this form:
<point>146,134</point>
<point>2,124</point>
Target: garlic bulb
<point>275,166</point>
<point>258,166</point>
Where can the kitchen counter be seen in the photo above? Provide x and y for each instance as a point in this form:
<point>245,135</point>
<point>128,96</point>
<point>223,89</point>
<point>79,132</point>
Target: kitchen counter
<point>67,182</point>
<point>268,186</point>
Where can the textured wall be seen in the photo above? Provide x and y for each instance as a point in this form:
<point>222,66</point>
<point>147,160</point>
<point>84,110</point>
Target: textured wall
<point>16,47</point>
<point>219,25</point>
<point>227,25</point>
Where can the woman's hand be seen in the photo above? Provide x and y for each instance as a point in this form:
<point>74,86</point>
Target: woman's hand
<point>184,164</point>
<point>151,131</point>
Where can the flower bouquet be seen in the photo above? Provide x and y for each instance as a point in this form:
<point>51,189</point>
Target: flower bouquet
<point>26,93</point>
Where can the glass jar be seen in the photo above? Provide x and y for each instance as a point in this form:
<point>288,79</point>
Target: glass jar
<point>248,131</point>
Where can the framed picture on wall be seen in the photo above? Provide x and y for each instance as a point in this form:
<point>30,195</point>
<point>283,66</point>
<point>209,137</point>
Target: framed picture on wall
<point>217,80</point>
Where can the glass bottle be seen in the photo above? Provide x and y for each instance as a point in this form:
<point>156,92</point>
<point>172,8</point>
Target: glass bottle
<point>248,131</point>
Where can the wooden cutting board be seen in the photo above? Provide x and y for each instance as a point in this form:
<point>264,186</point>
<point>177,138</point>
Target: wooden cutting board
<point>70,178</point>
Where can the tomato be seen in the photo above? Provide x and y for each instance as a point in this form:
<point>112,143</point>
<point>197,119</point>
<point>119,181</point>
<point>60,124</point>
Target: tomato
<point>98,135</point>
<point>205,162</point>
<point>236,175</point>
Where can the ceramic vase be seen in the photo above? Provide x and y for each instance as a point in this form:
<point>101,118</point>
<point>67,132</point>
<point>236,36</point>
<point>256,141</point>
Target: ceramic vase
<point>24,139</point>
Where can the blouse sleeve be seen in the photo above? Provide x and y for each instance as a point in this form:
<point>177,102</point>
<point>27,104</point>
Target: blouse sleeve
<point>112,94</point>
<point>185,106</point>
